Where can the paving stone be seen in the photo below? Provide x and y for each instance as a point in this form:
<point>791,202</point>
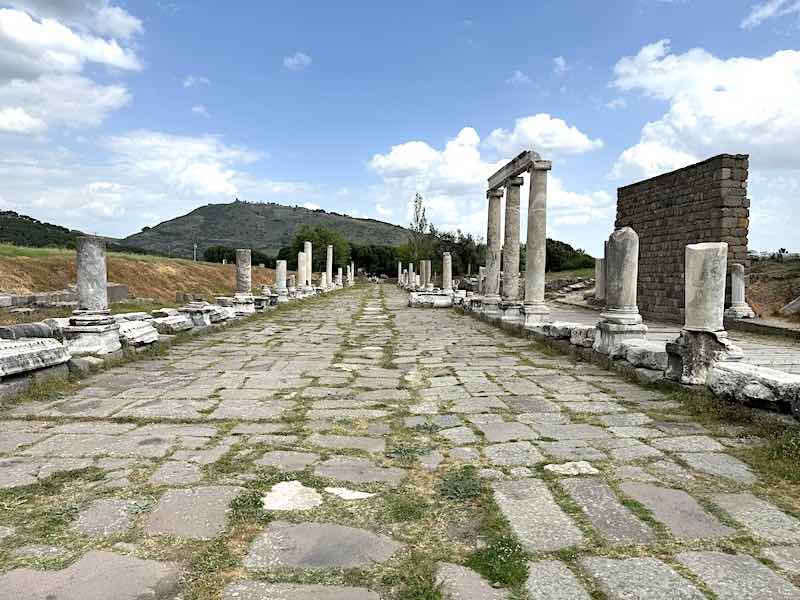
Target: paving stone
<point>552,580</point>
<point>616,524</point>
<point>639,579</point>
<point>368,444</point>
<point>719,465</point>
<point>627,419</point>
<point>274,440</point>
<point>431,460</point>
<point>100,445</point>
<point>513,453</point>
<point>676,509</point>
<point>259,590</point>
<point>467,455</point>
<point>786,557</point>
<point>384,396</point>
<point>738,576</point>
<point>634,450</point>
<point>580,467</point>
<point>577,431</point>
<point>644,433</point>
<point>291,495</point>
<point>317,546</point>
<point>632,473</point>
<point>346,413</point>
<point>677,429</point>
<point>202,457</point>
<point>671,471</point>
<point>358,470</point>
<point>544,418</point>
<point>461,583</point>
<point>760,517</point>
<point>176,473</point>
<point>97,575</point>
<point>499,431</point>
<point>595,408</point>
<point>197,513</point>
<point>287,460</point>
<point>689,443</point>
<point>572,450</point>
<point>531,404</point>
<point>107,516</point>
<point>250,410</point>
<point>535,518</point>
<point>458,435</point>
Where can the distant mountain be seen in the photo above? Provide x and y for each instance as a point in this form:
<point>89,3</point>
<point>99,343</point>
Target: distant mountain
<point>22,230</point>
<point>264,227</point>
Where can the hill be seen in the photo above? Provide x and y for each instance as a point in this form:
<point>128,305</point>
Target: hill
<point>264,227</point>
<point>22,230</point>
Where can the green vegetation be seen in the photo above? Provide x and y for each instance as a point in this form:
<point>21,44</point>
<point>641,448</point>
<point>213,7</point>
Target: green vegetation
<point>219,253</point>
<point>461,484</point>
<point>320,237</point>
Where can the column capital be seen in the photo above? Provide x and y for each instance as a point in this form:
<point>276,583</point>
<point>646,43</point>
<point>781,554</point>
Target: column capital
<point>513,181</point>
<point>495,193</point>
<point>541,165</point>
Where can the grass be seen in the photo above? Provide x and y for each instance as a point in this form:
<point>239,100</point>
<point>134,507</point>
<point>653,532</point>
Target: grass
<point>461,484</point>
<point>571,274</point>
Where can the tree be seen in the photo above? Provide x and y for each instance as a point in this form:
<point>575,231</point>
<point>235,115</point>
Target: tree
<point>320,237</point>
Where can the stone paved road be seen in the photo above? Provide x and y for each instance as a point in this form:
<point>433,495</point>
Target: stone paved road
<point>352,448</point>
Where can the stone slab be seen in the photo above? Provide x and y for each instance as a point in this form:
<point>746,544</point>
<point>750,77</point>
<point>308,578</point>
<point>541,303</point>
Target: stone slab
<point>260,590</point>
<point>719,465</point>
<point>106,516</point>
<point>197,513</point>
<point>368,444</point>
<point>552,580</point>
<point>287,460</point>
<point>461,583</point>
<point>761,518</point>
<point>501,431</point>
<point>786,557</point>
<point>358,470</point>
<point>639,579</point>
<point>513,453</point>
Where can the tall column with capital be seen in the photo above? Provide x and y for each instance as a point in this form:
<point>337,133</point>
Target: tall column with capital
<point>534,308</point>
<point>447,273</point>
<point>492,284</point>
<point>511,241</point>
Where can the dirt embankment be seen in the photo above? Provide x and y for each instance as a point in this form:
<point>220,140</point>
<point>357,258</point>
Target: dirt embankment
<point>145,276</point>
<point>773,284</point>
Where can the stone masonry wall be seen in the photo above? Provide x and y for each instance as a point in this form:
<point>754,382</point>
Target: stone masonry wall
<point>704,202</point>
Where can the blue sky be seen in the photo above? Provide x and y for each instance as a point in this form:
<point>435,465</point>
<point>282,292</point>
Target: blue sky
<point>118,115</point>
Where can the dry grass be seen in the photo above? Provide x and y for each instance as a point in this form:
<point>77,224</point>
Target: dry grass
<point>29,270</point>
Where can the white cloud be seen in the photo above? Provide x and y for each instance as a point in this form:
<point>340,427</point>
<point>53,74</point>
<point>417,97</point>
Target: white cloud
<point>200,109</point>
<point>560,66</point>
<point>769,10</point>
<point>311,206</point>
<point>735,105</point>
<point>195,80</point>
<point>383,212</point>
<point>42,63</point>
<point>94,15</point>
<point>518,77</point>
<point>297,61</point>
<point>544,134</point>
<point>201,165</point>
<point>617,103</point>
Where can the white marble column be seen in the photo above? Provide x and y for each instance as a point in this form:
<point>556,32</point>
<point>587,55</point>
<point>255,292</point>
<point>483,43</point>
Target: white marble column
<point>307,252</point>
<point>705,286</point>
<point>244,280</point>
<point>511,241</point>
<point>280,281</point>
<point>329,267</point>
<point>429,275</point>
<point>481,280</point>
<point>92,279</point>
<point>302,281</point>
<point>739,309</point>
<point>447,273</point>
<point>411,278</point>
<point>534,309</point>
<point>493,243</point>
<point>339,281</point>
<point>352,273</point>
<point>599,279</point>
<point>323,281</point>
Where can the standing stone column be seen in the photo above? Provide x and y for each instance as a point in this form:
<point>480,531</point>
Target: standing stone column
<point>411,276</point>
<point>447,273</point>
<point>620,321</point>
<point>492,284</point>
<point>329,267</point>
<point>511,241</point>
<point>307,251</point>
<point>481,280</point>
<point>91,328</point>
<point>352,273</point>
<point>323,281</point>
<point>600,280</point>
<point>243,301</point>
<point>739,309</point>
<point>339,282</point>
<point>534,308</point>
<point>429,275</point>
<point>399,273</point>
<point>280,281</point>
<point>703,339</point>
<point>302,281</point>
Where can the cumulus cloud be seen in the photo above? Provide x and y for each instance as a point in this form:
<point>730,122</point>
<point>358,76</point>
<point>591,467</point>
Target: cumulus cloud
<point>191,81</point>
<point>769,10</point>
<point>42,61</point>
<point>201,110</point>
<point>297,61</point>
<point>544,134</point>
<point>518,77</point>
<point>560,66</point>
<point>734,105</point>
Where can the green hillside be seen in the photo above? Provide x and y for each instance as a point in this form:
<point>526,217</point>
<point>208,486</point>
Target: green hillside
<point>264,227</point>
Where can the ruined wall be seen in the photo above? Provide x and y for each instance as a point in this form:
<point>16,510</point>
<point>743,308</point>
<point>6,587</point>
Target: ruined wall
<point>704,202</point>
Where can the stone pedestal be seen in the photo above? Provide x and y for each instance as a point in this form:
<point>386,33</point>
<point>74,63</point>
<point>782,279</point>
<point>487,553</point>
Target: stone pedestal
<point>92,329</point>
<point>172,324</point>
<point>493,243</point>
<point>533,315</point>
<point>199,313</point>
<point>244,304</point>
<point>739,309</point>
<point>511,241</point>
<point>535,310</point>
<point>620,321</point>
<point>447,272</point>
<point>703,340</point>
<point>280,281</point>
<point>511,311</point>
<point>30,354</point>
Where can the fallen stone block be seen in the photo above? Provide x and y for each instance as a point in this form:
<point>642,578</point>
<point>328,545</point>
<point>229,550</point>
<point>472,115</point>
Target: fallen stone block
<point>792,308</point>
<point>649,354</point>
<point>173,324</point>
<point>23,355</point>
<point>137,333</point>
<point>583,336</point>
<point>745,383</point>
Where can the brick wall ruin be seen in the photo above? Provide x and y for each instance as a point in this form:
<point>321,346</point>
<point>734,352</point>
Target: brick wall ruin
<point>704,202</point>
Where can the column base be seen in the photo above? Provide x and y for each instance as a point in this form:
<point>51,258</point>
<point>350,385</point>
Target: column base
<point>490,307</point>
<point>621,316</point>
<point>198,313</point>
<point>511,311</point>
<point>692,355</point>
<point>92,339</point>
<point>534,315</point>
<point>739,311</point>
<point>609,336</point>
<point>244,304</point>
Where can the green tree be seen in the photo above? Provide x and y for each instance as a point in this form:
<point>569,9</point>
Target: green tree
<point>320,238</point>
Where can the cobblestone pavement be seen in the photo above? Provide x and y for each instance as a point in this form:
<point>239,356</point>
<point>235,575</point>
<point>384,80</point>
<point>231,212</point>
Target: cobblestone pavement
<point>351,448</point>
